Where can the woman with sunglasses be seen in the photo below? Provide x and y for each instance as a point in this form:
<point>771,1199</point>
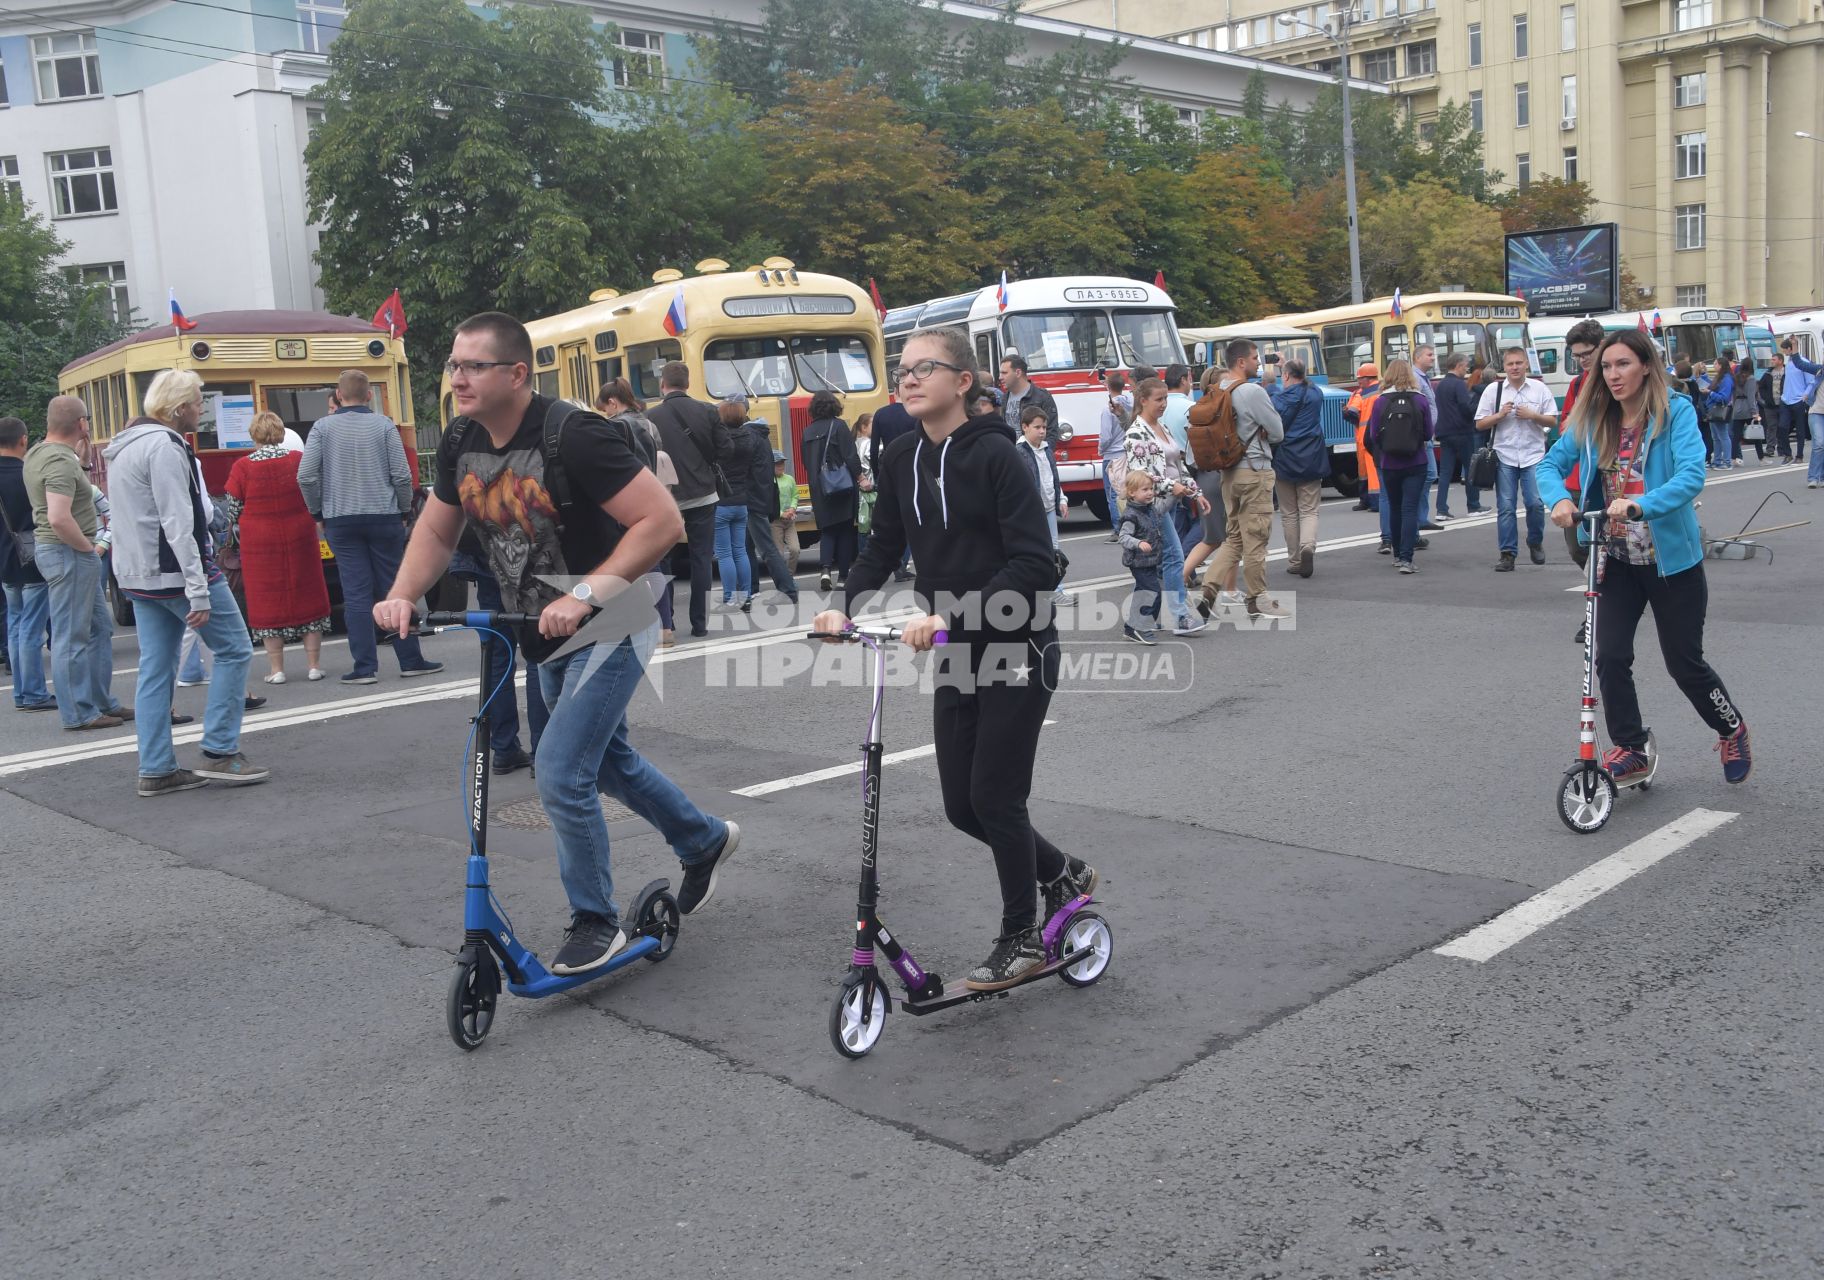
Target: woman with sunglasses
<point>1640,458</point>
<point>957,493</point>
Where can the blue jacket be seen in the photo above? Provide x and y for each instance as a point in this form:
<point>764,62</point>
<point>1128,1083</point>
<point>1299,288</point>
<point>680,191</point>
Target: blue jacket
<point>1802,377</point>
<point>1303,455</point>
<point>1674,477</point>
<point>1722,392</point>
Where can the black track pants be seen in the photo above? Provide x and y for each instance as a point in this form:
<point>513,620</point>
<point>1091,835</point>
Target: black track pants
<point>986,743</point>
<point>1679,603</point>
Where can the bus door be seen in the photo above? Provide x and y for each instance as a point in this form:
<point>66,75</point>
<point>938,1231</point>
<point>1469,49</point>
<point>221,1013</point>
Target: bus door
<point>576,365</point>
<point>988,352</point>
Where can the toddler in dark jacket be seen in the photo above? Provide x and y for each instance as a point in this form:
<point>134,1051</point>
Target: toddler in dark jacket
<point>1140,533</point>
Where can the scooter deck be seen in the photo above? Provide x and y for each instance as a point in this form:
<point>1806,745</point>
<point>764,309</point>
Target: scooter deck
<point>960,994</point>
<point>541,982</point>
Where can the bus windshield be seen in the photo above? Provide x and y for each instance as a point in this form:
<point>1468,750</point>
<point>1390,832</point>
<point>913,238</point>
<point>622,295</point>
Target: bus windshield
<point>1148,337</point>
<point>837,362</point>
<point>747,367</point>
<point>1061,339</point>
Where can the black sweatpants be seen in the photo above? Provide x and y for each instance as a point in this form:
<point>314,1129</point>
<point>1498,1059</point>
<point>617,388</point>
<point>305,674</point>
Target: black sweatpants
<point>700,541</point>
<point>1679,603</point>
<point>987,740</point>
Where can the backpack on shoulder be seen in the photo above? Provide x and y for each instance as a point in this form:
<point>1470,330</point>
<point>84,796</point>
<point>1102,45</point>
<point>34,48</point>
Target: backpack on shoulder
<point>1214,434</point>
<point>1402,423</point>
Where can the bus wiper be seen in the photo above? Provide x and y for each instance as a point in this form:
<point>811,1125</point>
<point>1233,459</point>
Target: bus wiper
<point>808,367</point>
<point>745,389</point>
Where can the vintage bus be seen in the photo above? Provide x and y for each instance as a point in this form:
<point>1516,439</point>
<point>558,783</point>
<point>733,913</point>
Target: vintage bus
<point>1804,325</point>
<point>286,362</point>
<point>1068,328</point>
<point>772,333</point>
<point>1203,348</point>
<point>1480,325</point>
<point>1696,333</point>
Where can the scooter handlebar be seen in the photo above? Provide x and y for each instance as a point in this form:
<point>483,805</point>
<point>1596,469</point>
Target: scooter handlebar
<point>479,618</point>
<point>856,633</point>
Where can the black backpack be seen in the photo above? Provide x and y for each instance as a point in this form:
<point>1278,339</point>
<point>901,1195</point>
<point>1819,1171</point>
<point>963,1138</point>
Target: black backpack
<point>1402,425</point>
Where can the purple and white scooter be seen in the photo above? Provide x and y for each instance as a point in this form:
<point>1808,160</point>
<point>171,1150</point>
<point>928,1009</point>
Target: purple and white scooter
<point>1078,942</point>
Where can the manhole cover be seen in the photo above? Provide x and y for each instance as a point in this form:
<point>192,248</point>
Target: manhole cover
<point>530,815</point>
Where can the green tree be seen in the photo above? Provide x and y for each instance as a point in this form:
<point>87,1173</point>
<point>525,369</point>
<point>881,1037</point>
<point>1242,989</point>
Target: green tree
<point>856,189</point>
<point>1547,202</point>
<point>1424,235</point>
<point>48,317</point>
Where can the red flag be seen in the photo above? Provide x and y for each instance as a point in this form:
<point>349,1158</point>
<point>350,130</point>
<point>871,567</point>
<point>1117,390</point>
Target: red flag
<point>1159,281</point>
<point>1743,313</point>
<point>1641,322</point>
<point>391,315</point>
<point>880,307</point>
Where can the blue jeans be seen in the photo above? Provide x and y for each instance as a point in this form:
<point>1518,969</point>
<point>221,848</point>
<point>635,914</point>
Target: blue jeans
<point>161,632</point>
<point>1171,571</point>
<point>1385,507</point>
<point>1431,479</point>
<point>368,550</point>
<point>1403,493</point>
<point>1108,494</point>
<point>82,633</point>
<point>1814,471</point>
<point>731,553</point>
<point>1513,484</point>
<point>760,535</point>
<point>585,754</point>
<point>1722,443</point>
<point>27,608</point>
<point>1458,451</point>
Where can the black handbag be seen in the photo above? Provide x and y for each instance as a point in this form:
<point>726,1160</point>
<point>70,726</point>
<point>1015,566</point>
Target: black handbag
<point>25,545</point>
<point>1484,466</point>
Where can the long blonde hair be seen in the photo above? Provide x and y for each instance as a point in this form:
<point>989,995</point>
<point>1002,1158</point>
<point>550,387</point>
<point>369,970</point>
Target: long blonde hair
<point>1398,376</point>
<point>1597,414</point>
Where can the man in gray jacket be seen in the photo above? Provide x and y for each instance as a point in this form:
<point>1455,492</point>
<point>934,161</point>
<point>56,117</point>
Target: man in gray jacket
<point>358,485</point>
<point>687,429</point>
<point>163,562</point>
<point>1247,487</point>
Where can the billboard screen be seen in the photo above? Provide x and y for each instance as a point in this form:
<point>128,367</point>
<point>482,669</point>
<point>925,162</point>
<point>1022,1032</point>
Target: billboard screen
<point>1568,271</point>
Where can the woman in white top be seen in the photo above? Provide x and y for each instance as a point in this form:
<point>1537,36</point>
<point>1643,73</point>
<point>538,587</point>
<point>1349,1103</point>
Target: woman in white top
<point>1152,448</point>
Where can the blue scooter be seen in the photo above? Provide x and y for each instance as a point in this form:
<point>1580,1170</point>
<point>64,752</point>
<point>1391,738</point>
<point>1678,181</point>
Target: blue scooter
<point>488,942</point>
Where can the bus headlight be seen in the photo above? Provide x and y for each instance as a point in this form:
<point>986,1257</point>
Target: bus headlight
<point>376,348</point>
<point>199,350</point>
<point>1066,433</point>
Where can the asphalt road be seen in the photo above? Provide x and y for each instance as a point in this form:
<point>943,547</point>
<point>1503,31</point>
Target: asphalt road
<point>225,1052</point>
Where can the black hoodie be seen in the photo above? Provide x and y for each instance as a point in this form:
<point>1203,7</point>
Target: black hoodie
<point>973,518</point>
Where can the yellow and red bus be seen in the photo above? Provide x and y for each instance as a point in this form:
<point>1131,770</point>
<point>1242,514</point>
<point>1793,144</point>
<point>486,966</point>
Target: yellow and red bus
<point>772,333</point>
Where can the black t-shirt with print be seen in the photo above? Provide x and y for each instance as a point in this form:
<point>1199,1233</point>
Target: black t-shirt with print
<point>503,494</point>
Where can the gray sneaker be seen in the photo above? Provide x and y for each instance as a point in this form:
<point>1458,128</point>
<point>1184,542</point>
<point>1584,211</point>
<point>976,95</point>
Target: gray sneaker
<point>234,768</point>
<point>1014,956</point>
<point>1079,879</point>
<point>181,780</point>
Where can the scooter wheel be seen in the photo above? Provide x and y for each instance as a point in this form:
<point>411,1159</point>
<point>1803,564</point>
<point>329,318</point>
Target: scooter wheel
<point>1089,938</point>
<point>659,917</point>
<point>1586,798</point>
<point>474,992</point>
<point>855,1030</point>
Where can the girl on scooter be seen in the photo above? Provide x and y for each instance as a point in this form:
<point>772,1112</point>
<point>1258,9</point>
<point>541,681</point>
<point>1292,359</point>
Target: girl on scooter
<point>1641,460</point>
<point>956,491</point>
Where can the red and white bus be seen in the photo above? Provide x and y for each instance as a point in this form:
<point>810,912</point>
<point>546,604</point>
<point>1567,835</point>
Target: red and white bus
<point>1067,327</point>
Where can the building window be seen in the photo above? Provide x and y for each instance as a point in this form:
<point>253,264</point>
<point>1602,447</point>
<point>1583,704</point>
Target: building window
<point>319,23</point>
<point>1570,164</point>
<point>1263,31</point>
<point>1688,226</point>
<point>1567,100</point>
<point>1523,170</point>
<point>10,188</point>
<point>1688,154</point>
<point>82,182</point>
<point>68,66</point>
<point>1475,44</point>
<point>1428,129</point>
<point>1327,66</point>
<point>111,277</point>
<point>640,64</point>
<point>1422,58</point>
<point>1379,66</point>
<point>1190,118</point>
<point>1567,26</point>
<point>1520,36</point>
<point>1688,15</point>
<point>1523,105</point>
<point>1691,295</point>
<point>3,101</point>
<point>1475,110</point>
<point>1688,90</point>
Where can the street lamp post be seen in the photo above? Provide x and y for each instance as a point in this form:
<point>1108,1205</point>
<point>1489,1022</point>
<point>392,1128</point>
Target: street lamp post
<point>1343,22</point>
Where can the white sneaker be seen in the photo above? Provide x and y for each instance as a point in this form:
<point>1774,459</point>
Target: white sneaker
<point>277,677</point>
<point>1189,626</point>
<point>191,684</point>
<point>315,673</point>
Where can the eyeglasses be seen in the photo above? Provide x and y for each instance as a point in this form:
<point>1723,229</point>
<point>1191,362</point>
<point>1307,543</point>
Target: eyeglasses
<point>470,368</point>
<point>920,371</point>
<point>1582,353</point>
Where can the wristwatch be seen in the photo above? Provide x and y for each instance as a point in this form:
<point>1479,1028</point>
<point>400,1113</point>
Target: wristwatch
<point>583,592</point>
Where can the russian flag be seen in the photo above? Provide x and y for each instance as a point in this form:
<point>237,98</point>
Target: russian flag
<point>1656,320</point>
<point>1000,295</point>
<point>674,315</point>
<point>184,323</point>
<point>1398,310</point>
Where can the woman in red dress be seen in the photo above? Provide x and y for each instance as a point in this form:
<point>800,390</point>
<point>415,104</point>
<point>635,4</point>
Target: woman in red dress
<point>281,564</point>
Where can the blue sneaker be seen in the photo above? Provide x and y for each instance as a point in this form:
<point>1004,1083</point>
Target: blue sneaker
<point>1738,760</point>
<point>422,669</point>
<point>1626,764</point>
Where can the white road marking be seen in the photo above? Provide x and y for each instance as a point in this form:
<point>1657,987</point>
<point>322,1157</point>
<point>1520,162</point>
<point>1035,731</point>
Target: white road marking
<point>835,771</point>
<point>1489,940</point>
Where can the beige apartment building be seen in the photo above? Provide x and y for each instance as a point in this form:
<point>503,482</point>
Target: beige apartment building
<point>1680,114</point>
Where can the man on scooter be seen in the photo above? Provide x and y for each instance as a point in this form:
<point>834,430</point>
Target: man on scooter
<point>598,519</point>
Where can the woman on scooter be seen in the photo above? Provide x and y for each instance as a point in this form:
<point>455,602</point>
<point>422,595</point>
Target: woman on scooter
<point>1641,460</point>
<point>956,491</point>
